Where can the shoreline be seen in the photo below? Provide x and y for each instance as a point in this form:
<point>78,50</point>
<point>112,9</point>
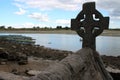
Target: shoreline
<point>105,32</point>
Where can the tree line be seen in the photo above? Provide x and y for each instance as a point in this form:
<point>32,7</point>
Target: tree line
<point>35,28</point>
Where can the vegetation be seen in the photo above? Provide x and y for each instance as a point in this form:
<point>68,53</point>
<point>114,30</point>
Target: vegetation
<point>17,39</point>
<point>35,28</point>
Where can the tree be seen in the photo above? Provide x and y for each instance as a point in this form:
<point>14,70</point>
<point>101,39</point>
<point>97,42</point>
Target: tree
<point>10,27</point>
<point>59,27</point>
<point>37,27</point>
<point>2,27</point>
<point>66,28</point>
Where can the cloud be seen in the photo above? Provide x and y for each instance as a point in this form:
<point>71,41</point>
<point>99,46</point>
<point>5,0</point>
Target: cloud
<point>111,6</point>
<point>20,12</point>
<point>39,16</point>
<point>52,4</point>
<point>63,22</point>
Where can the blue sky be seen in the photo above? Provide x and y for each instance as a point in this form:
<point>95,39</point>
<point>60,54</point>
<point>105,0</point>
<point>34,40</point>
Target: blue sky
<point>52,13</point>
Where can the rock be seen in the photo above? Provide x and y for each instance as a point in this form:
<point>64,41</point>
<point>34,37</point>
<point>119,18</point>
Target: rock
<point>10,76</point>
<point>22,59</point>
<point>3,61</point>
<point>111,61</point>
<point>116,76</point>
<point>81,65</point>
<point>15,71</point>
<point>3,56</point>
<point>33,72</point>
<point>110,69</point>
<point>3,53</point>
<point>14,46</point>
<point>115,73</point>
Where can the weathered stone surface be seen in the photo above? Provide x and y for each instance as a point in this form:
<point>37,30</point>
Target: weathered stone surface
<point>78,66</point>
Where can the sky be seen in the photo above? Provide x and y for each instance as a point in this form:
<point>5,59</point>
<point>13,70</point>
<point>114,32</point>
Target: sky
<point>52,13</point>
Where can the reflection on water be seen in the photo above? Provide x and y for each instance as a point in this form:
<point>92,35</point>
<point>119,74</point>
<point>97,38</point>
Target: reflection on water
<point>104,44</point>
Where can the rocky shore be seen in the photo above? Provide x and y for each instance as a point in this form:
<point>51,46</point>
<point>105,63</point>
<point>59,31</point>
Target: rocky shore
<point>19,58</point>
<point>29,59</point>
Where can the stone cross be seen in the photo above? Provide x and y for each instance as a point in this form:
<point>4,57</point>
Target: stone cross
<point>88,24</point>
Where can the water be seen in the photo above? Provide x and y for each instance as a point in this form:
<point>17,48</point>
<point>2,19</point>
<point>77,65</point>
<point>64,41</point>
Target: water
<point>104,44</point>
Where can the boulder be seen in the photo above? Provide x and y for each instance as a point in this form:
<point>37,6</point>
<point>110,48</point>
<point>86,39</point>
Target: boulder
<point>82,65</point>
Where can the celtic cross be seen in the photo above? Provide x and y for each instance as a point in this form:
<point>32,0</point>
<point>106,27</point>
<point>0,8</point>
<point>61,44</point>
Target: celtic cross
<point>88,24</point>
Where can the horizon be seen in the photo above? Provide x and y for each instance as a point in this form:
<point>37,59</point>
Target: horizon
<point>52,13</point>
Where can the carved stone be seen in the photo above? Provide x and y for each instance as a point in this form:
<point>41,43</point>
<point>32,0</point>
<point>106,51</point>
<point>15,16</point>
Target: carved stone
<point>88,24</point>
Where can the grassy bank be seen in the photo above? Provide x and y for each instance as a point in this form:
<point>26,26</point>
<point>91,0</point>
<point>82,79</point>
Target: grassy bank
<point>105,33</point>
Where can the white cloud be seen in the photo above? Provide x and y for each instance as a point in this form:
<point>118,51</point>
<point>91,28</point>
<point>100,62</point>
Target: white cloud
<point>63,22</point>
<point>20,12</point>
<point>52,4</point>
<point>39,16</point>
<point>110,6</point>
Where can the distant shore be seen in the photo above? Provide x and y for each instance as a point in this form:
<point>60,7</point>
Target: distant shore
<point>105,33</point>
<point>40,31</point>
<point>111,33</point>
